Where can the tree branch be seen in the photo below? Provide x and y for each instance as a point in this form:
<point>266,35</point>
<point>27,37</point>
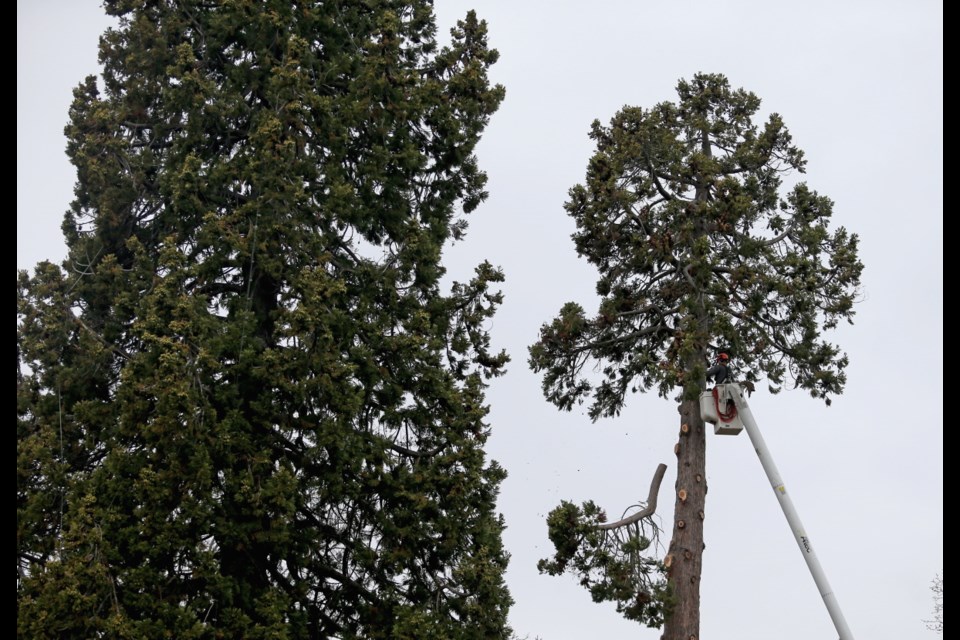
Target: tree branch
<point>219,288</point>
<point>629,336</point>
<point>770,242</point>
<point>650,307</point>
<point>112,347</point>
<point>651,503</point>
<point>686,274</point>
<point>417,454</point>
<point>656,182</point>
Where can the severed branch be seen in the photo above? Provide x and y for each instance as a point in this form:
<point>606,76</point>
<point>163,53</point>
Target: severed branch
<point>651,502</point>
<point>611,560</point>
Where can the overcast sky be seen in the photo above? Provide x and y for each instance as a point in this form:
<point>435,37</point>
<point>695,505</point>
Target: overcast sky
<point>859,84</point>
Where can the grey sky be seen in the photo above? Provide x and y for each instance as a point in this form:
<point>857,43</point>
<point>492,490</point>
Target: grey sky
<point>859,84</point>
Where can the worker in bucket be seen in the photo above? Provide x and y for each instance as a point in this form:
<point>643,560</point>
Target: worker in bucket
<point>720,371</point>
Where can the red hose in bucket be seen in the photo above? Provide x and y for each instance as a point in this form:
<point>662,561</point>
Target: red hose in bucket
<point>725,416</point>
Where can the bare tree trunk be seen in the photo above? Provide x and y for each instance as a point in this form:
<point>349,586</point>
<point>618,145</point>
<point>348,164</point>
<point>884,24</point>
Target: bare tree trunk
<point>685,557</point>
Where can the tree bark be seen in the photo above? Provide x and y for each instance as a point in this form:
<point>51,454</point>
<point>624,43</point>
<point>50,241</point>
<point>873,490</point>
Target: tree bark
<point>685,556</point>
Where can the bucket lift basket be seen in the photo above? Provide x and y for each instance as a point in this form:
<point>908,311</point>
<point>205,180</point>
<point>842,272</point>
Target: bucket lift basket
<point>719,408</point>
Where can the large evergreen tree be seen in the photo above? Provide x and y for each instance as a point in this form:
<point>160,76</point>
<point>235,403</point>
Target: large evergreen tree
<point>245,407</point>
<point>699,248</point>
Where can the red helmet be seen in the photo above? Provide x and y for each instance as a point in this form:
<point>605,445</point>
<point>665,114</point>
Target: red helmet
<point>722,357</point>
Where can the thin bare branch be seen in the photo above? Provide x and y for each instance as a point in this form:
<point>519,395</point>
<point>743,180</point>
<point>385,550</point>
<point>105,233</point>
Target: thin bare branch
<point>117,350</point>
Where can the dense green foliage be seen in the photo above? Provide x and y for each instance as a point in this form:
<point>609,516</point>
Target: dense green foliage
<point>245,407</point>
<point>610,564</point>
<point>699,248</point>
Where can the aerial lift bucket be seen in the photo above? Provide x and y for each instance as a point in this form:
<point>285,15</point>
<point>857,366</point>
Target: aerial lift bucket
<point>719,408</point>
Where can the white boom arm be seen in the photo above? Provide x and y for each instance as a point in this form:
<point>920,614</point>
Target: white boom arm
<point>803,540</point>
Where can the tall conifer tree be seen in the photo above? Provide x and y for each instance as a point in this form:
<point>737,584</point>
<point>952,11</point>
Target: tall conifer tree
<point>700,249</point>
<point>246,409</point>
